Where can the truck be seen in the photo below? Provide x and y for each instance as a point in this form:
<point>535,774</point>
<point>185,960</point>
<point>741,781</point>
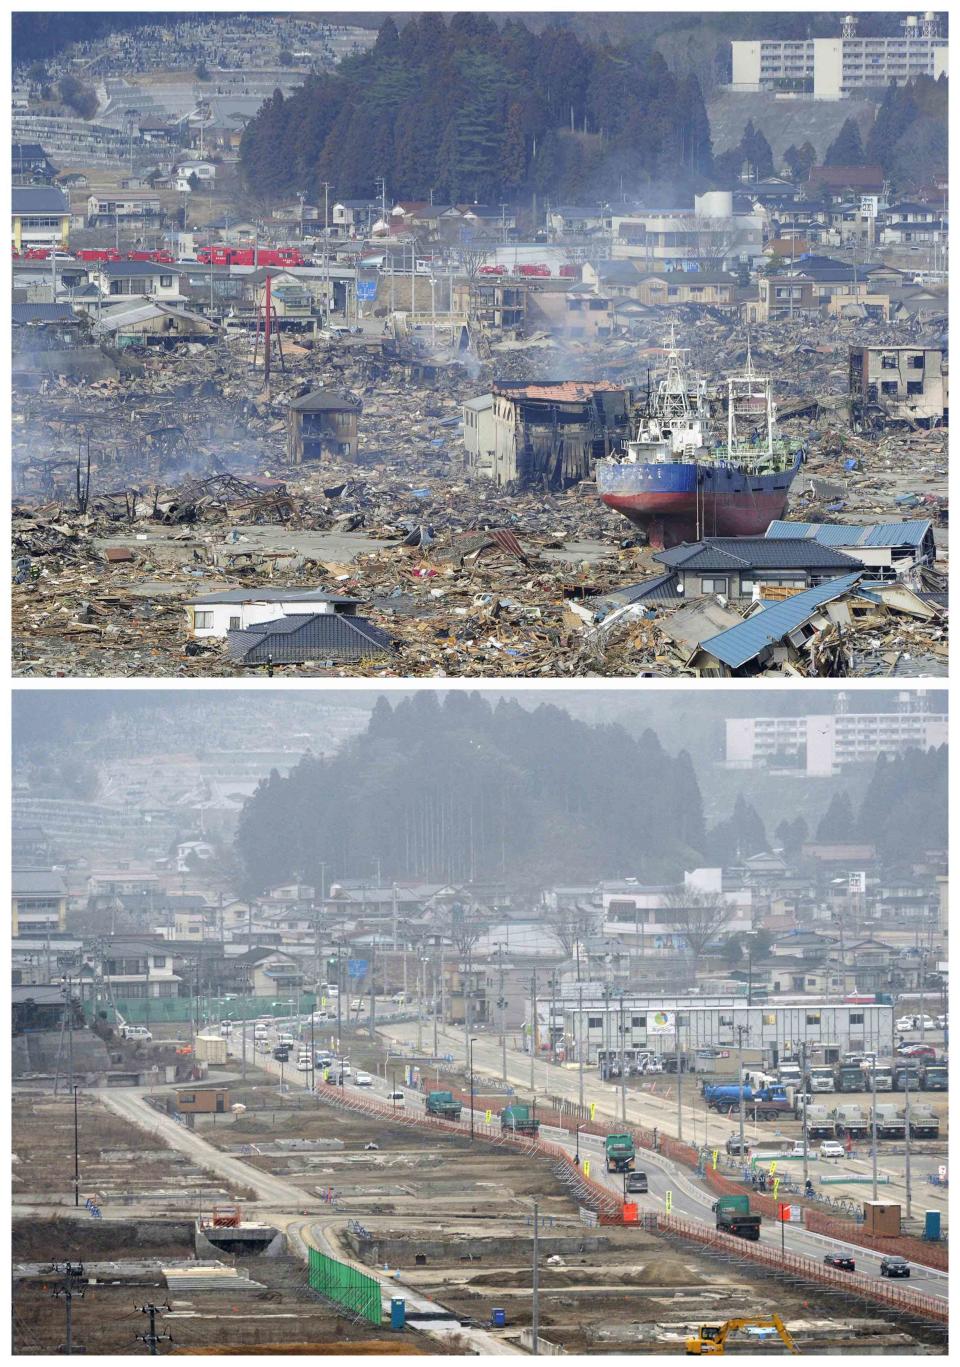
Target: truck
<point>850,1119</point>
<point>444,1105</point>
<point>767,1108</point>
<point>933,1077</point>
<point>725,1097</point>
<point>878,1076</point>
<point>789,1074</point>
<point>620,1152</point>
<point>519,1120</point>
<point>923,1123</point>
<point>890,1121</point>
<point>820,1078</point>
<point>904,1068</point>
<point>735,1217</point>
<point>850,1077</point>
<point>819,1122</point>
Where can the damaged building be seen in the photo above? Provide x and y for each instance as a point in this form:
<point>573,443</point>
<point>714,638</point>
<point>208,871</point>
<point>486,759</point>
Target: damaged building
<point>899,384</point>
<point>322,424</point>
<point>551,432</point>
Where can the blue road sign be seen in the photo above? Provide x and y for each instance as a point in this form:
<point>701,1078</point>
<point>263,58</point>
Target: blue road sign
<point>357,968</point>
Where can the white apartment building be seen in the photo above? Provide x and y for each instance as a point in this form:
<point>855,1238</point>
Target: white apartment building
<point>671,239</point>
<point>825,744</point>
<point>832,67</point>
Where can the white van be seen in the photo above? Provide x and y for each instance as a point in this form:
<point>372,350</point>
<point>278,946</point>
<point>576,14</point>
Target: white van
<point>260,1032</point>
<point>135,1032</point>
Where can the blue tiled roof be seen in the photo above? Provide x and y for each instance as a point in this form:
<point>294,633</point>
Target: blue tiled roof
<point>909,533</point>
<point>735,646</point>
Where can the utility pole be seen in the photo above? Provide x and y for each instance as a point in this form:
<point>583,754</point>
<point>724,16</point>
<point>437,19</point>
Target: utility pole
<point>873,1098</point>
<point>71,1274</point>
<point>533,1032</point>
<point>623,1065</point>
<point>437,1005</point>
<point>535,1324</point>
<point>676,1036</point>
<point>502,1006</point>
<point>580,1045</point>
<point>803,1084</point>
<point>152,1339</point>
<point>740,1033</point>
<point>906,1131</point>
<point>76,1150</point>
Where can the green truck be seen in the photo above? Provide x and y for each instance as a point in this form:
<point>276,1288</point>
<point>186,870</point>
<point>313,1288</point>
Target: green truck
<point>443,1104</point>
<point>735,1217</point>
<point>620,1151</point>
<point>519,1120</point>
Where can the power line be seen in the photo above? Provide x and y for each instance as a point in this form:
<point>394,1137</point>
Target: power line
<point>152,1339</point>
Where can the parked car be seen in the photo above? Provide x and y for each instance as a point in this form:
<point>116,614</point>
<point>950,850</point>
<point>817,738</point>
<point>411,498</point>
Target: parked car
<point>831,1148</point>
<point>892,1266</point>
<point>917,1051</point>
<point>304,1063</point>
<point>844,1262</point>
<point>363,1080</point>
<point>904,1023</point>
<point>941,1022</point>
<point>356,1004</point>
<point>637,1182</point>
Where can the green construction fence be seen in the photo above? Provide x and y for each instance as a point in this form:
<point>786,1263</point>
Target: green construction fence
<point>345,1286</point>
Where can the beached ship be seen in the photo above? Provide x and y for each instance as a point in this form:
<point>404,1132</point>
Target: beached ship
<point>680,481</point>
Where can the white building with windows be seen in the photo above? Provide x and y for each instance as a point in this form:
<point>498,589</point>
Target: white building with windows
<point>829,68</point>
<point>236,609</point>
<point>771,1031</point>
<point>824,744</point>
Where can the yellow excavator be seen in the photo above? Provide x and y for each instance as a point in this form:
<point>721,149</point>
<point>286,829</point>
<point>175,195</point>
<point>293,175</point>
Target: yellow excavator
<point>712,1338</point>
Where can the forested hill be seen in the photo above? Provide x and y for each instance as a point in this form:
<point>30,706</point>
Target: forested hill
<point>460,789</point>
<point>469,111</point>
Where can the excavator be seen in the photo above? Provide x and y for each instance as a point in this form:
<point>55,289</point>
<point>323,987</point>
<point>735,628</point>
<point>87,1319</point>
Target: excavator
<point>712,1338</point>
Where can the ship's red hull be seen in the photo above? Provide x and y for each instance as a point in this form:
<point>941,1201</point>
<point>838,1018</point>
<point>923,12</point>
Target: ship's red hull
<point>670,518</point>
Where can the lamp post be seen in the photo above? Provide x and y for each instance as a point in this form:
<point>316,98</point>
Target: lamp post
<point>470,1057</point>
<point>576,1157</point>
<point>750,936</point>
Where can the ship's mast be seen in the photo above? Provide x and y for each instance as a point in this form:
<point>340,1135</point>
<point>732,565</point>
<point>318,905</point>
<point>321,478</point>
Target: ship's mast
<point>750,410</point>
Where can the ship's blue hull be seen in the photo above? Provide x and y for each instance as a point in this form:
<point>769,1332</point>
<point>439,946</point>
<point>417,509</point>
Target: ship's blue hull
<point>687,501</point>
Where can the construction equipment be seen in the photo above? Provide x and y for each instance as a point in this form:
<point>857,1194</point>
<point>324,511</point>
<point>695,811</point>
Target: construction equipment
<point>620,1152</point>
<point>712,1338</point>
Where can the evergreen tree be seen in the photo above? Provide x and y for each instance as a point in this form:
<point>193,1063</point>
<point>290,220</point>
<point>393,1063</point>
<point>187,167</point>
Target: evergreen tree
<point>846,148</point>
<point>837,825</point>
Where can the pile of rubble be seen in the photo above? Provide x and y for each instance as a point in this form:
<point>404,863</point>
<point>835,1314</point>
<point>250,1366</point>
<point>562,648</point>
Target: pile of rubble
<point>133,496</point>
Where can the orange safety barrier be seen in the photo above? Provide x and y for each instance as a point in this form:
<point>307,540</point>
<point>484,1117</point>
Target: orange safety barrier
<point>897,1297</point>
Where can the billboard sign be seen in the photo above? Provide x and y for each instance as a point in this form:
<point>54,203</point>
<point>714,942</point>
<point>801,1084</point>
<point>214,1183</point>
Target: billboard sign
<point>661,1022</point>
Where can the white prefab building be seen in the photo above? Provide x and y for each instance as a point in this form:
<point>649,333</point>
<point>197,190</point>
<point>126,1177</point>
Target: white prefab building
<point>236,609</point>
<point>592,1021</point>
<point>829,68</point>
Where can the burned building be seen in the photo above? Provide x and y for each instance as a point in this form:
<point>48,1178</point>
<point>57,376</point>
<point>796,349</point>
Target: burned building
<point>899,384</point>
<point>322,424</point>
<point>551,432</point>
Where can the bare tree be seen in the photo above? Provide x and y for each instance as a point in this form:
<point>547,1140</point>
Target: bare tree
<point>569,924</point>
<point>698,916</point>
<point>471,259</point>
<point>716,240</point>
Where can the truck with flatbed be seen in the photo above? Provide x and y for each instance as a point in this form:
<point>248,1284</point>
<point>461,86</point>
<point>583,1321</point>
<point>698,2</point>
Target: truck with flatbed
<point>923,1123</point>
<point>519,1120</point>
<point>850,1119</point>
<point>734,1216</point>
<point>444,1105</point>
<point>819,1122</point>
<point>619,1152</point>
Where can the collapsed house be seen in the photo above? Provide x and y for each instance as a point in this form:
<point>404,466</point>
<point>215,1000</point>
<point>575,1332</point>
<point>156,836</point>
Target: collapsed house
<point>322,424</point>
<point>898,384</point>
<point>551,432</point>
<point>887,549</point>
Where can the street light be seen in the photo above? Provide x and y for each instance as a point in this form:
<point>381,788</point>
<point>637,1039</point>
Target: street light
<point>576,1157</point>
<point>470,1058</point>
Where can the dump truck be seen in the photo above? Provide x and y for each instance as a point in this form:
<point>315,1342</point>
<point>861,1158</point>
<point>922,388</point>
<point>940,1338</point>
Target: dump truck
<point>735,1217</point>
<point>443,1104</point>
<point>933,1077</point>
<point>891,1123</point>
<point>519,1120</point>
<point>819,1122</point>
<point>821,1079</point>
<point>850,1119</point>
<point>620,1152</point>
<point>923,1123</point>
<point>850,1077</point>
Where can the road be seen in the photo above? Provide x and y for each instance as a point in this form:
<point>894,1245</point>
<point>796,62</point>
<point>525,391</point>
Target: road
<point>284,1205</point>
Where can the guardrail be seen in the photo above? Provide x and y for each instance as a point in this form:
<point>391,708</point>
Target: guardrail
<point>897,1297</point>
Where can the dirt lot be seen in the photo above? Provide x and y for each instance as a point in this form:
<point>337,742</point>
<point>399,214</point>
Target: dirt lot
<point>116,1159</point>
<point>106,1320</point>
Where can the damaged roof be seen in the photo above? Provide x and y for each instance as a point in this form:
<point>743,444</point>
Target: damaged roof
<point>323,401</point>
<point>258,595</point>
<point>559,391</point>
<point>882,534</point>
<point>754,552</point>
<point>735,646</point>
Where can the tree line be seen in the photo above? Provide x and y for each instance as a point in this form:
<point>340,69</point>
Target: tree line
<point>466,111</point>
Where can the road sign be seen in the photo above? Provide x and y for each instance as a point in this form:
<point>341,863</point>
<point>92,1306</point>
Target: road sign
<point>366,290</point>
<point>586,1167</point>
<point>357,968</point>
<point>668,1201</point>
<point>593,1109</point>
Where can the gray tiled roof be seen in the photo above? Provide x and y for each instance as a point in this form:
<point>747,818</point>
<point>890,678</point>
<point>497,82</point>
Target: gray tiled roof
<point>755,552</point>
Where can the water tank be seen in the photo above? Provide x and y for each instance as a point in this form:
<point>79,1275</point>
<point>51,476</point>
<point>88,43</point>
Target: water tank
<point>714,204</point>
